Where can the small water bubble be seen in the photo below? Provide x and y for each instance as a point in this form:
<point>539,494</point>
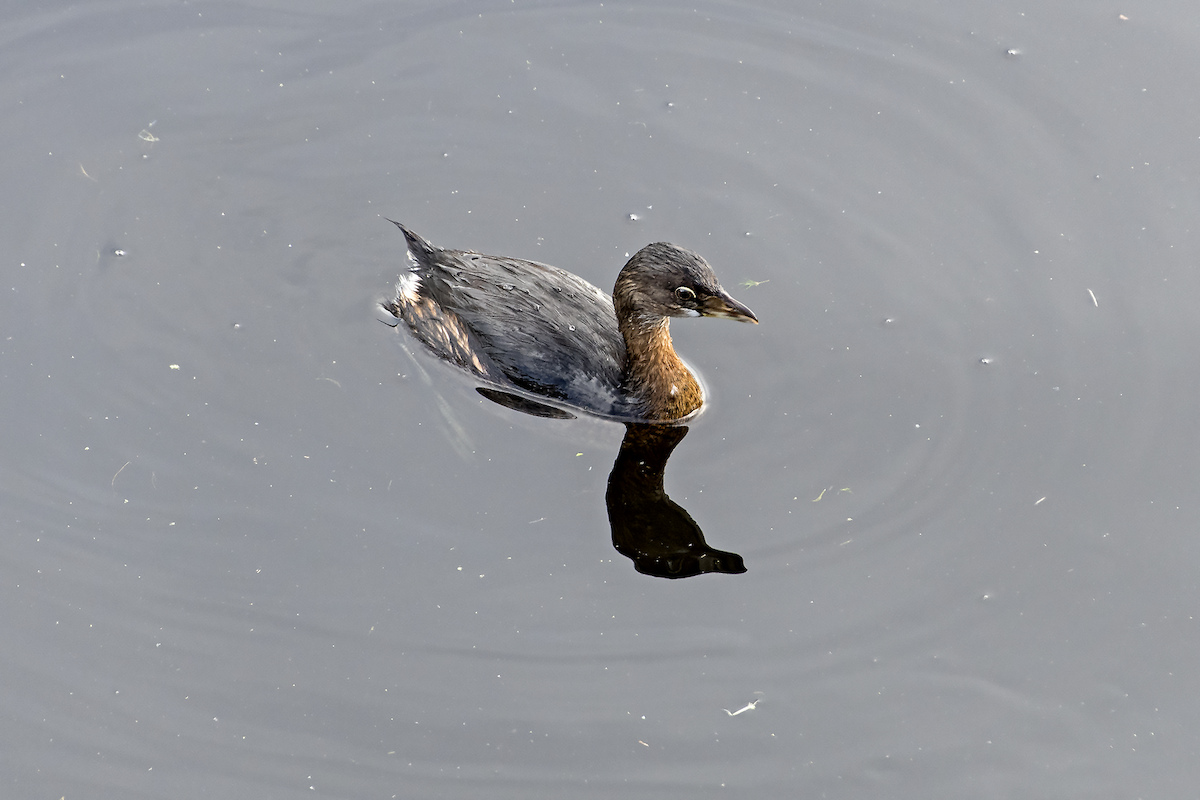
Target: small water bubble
<point>570,327</point>
<point>634,217</point>
<point>986,360</point>
<point>118,252</point>
<point>508,287</point>
<point>669,105</point>
<point>890,321</point>
<point>1012,52</point>
<point>237,326</point>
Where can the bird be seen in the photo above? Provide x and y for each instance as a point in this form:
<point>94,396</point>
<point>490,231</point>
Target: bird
<point>540,330</point>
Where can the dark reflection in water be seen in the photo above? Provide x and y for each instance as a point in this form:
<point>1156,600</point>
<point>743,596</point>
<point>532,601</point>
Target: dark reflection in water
<point>523,404</point>
<point>648,527</point>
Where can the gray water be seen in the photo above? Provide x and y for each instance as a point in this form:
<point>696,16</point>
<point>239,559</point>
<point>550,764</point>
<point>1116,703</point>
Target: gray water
<point>253,549</point>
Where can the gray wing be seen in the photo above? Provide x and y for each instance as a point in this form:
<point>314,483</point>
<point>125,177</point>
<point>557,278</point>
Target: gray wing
<point>517,322</point>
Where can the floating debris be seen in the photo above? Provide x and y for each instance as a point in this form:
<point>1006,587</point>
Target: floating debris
<point>113,483</point>
<point>748,707</point>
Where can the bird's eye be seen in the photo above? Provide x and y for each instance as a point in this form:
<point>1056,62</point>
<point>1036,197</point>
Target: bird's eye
<point>685,295</point>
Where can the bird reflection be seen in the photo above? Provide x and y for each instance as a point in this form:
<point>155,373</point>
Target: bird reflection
<point>649,528</point>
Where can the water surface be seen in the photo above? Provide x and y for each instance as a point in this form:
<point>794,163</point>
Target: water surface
<point>255,549</point>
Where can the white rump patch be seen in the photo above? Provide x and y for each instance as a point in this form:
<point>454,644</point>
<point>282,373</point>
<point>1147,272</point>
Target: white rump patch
<point>408,288</point>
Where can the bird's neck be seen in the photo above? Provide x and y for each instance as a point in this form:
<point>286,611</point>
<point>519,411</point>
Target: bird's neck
<point>654,374</point>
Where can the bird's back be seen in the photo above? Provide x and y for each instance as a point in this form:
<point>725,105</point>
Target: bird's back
<point>514,323</point>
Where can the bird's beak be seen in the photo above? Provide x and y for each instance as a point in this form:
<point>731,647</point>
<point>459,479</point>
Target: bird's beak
<point>723,305</point>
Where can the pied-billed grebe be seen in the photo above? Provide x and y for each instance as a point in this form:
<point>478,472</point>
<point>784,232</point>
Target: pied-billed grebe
<point>520,324</point>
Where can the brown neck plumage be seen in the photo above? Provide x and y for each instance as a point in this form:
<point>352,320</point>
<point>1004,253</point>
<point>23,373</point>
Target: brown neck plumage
<point>653,372</point>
